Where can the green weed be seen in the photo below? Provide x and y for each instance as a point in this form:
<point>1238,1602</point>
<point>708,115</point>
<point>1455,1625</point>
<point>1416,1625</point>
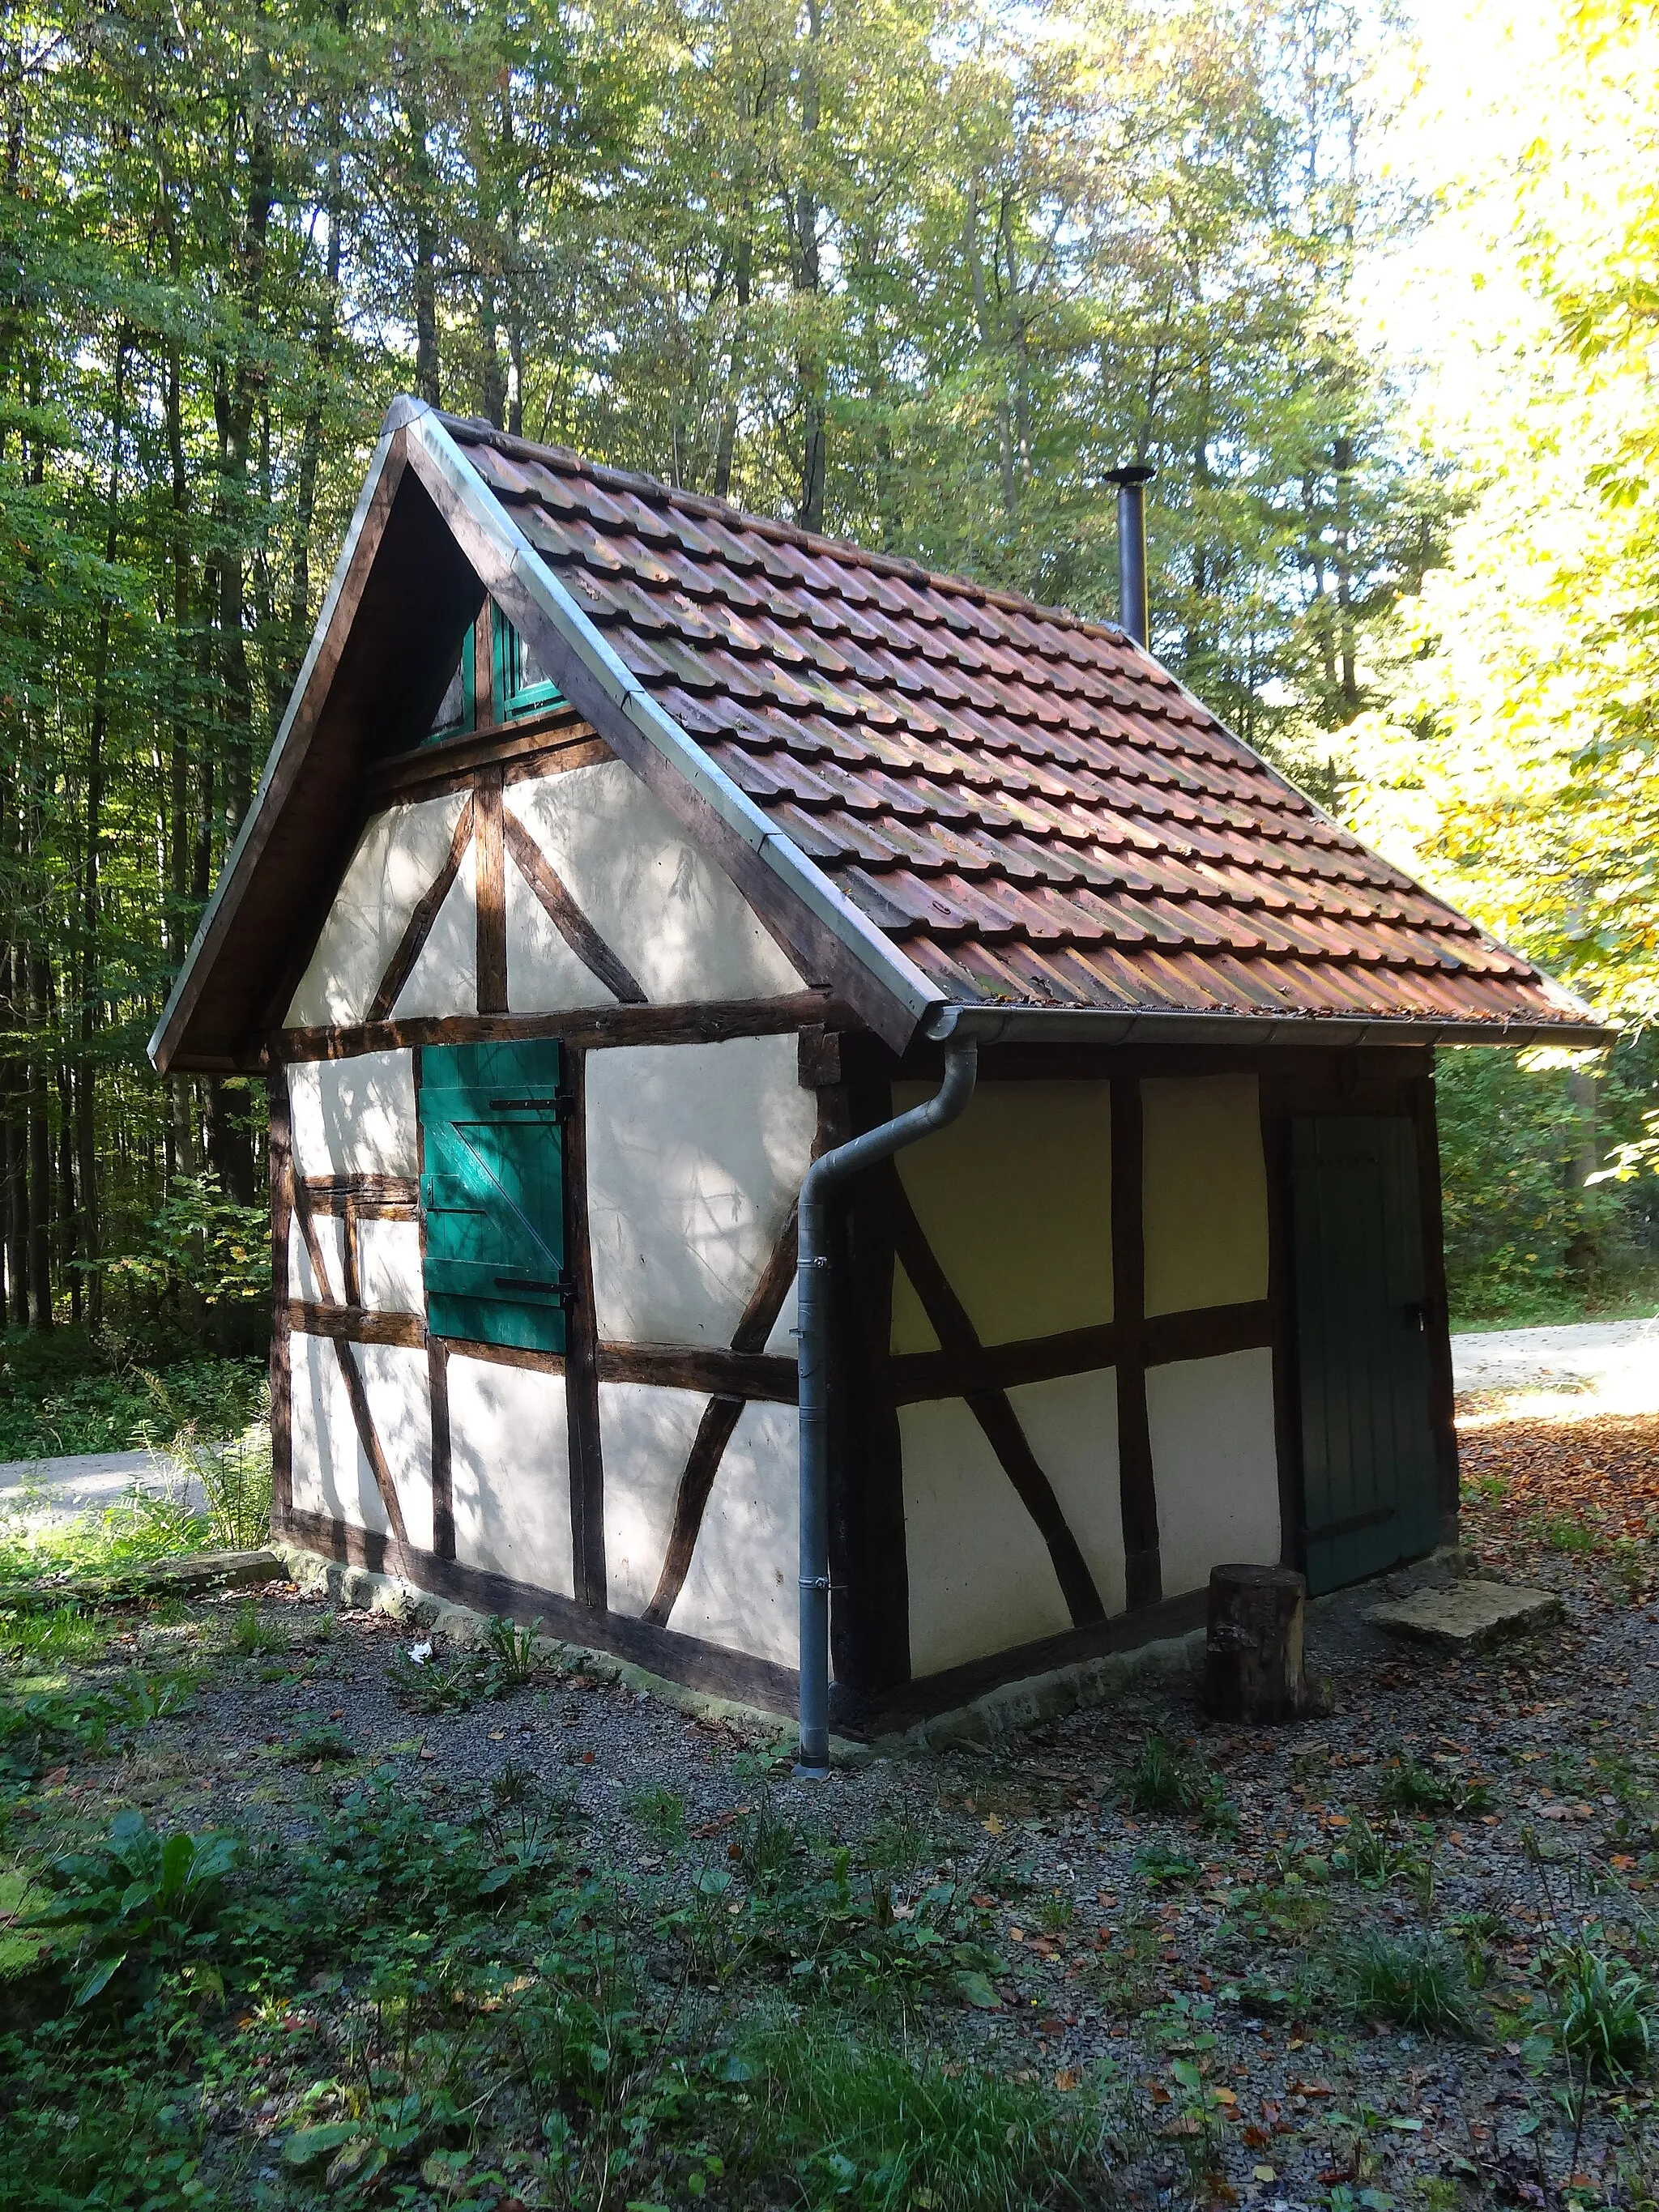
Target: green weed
<point>1162,1778</point>
<point>137,1899</point>
<point>841,2123</point>
<point>512,1652</point>
<point>1411,1787</point>
<point>660,1813</point>
<point>1604,2012</point>
<point>1561,1533</point>
<point>1373,1859</point>
<point>321,1743</point>
<point>252,1637</point>
<point>1419,1981</point>
<point>64,1636</point>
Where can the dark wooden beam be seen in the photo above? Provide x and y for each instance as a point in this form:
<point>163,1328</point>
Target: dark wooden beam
<point>590,1027</point>
<point>582,1366</point>
<point>443,1484</point>
<point>354,1325</point>
<point>708,1667</point>
<point>491,893</point>
<point>566,916</point>
<point>542,744</point>
<point>701,1367</point>
<point>401,965</point>
<point>281,1160</point>
<point>1142,1574</point>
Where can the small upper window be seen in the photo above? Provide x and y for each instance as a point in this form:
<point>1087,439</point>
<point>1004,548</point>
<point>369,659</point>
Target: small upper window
<point>519,683</point>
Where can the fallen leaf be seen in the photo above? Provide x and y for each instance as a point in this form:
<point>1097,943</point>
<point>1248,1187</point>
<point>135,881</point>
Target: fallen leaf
<point>1068,2079</point>
<point>1262,2173</point>
<point>992,1825</point>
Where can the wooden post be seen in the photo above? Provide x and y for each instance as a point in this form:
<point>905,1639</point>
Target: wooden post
<point>1253,1657</point>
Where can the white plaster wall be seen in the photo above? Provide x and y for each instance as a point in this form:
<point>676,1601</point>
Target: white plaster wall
<point>389,1266</point>
<point>302,1276</point>
<point>509,1463</point>
<point>445,977</point>
<point>1205,1192</point>
<point>673,919</point>
<point>1071,1425</point>
<point>645,1435</point>
<point>980,1577</point>
<point>397,858</point>
<point>695,1155</point>
<point>1016,1202</point>
<point>544,975</point>
<point>354,1116</point>
<point>743,1588</point>
<point>1214,1465</point>
<point>331,1473</point>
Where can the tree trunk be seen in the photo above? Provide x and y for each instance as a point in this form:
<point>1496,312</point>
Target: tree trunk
<point>40,1206</point>
<point>1253,1660</point>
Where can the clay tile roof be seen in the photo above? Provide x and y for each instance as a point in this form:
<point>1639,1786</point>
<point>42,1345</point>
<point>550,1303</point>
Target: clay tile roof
<point>1026,803</point>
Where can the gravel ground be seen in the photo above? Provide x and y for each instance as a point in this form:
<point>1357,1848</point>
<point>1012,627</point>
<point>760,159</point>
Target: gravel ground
<point>1155,1943</point>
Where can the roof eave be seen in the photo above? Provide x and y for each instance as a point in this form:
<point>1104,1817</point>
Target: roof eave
<point>1116,1025</point>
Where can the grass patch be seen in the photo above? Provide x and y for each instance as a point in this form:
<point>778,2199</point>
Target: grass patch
<point>865,2127</point>
<point>1418,1981</point>
<point>1604,2012</point>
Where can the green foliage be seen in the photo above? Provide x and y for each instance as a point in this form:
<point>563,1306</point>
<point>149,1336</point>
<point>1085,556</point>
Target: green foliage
<point>139,1901</point>
<point>660,1813</point>
<point>252,1636</point>
<point>1162,1777</point>
<point>66,1392</point>
<point>1418,1980</point>
<point>867,2127</point>
<point>454,1681</point>
<point>1605,2011</point>
<point>1408,1786</point>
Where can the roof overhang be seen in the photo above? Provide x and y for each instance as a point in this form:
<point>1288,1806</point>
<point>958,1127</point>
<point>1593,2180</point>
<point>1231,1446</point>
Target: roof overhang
<point>1102,1026</point>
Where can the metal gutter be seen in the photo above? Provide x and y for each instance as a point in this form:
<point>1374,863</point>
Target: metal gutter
<point>812,1329</point>
<point>1104,1025</point>
<point>832,907</point>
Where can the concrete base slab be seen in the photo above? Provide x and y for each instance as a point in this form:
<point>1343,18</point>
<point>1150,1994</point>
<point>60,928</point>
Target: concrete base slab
<point>1466,1614</point>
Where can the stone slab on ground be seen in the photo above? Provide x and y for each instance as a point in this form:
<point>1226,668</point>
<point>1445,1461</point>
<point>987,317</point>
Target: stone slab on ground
<point>1465,1615</point>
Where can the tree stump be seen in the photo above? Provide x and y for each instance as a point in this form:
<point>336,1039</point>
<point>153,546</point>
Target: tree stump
<point>1253,1656</point>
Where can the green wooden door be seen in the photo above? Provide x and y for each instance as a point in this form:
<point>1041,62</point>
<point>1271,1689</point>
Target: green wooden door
<point>492,1193</point>
<point>1368,1450</point>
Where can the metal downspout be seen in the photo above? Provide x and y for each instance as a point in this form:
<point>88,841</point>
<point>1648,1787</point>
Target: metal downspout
<point>812,1323</point>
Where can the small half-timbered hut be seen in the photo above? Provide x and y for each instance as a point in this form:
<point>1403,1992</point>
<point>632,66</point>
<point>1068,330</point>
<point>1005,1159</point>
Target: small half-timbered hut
<point>620,850</point>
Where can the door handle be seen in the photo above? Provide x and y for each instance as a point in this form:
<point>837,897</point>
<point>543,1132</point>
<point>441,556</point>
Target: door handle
<point>1417,1310</point>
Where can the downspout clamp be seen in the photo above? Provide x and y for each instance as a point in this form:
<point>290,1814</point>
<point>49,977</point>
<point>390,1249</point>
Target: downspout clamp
<point>813,1325</point>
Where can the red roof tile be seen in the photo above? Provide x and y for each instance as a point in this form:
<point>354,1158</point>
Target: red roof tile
<point>1026,804</point>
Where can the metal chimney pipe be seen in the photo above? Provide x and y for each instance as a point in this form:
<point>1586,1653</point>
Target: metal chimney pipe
<point>1131,482</point>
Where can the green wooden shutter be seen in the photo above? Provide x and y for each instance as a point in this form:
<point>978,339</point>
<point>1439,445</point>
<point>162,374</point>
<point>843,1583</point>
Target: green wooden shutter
<point>492,1193</point>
